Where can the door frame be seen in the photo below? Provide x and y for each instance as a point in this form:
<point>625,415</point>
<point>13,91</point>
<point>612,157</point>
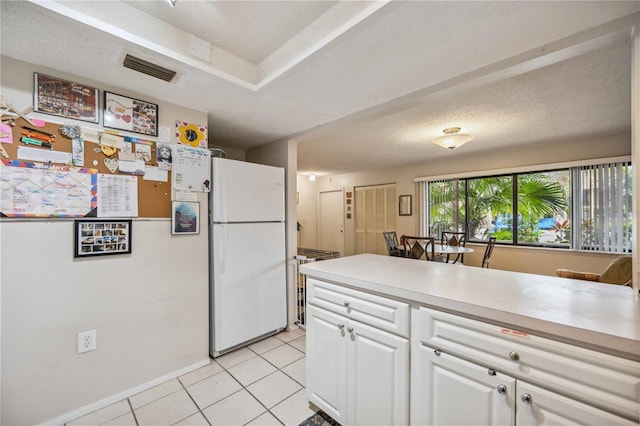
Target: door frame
<point>319,214</point>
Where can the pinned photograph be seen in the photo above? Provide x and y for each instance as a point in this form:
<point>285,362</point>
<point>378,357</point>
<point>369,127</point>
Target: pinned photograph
<point>164,155</point>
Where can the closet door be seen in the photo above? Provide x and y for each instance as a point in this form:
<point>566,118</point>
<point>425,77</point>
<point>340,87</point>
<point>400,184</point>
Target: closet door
<point>375,212</point>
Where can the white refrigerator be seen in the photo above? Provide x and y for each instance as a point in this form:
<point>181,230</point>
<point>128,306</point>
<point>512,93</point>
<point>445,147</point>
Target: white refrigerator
<point>247,253</point>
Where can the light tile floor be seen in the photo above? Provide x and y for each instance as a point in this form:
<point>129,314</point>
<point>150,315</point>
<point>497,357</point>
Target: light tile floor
<point>262,384</point>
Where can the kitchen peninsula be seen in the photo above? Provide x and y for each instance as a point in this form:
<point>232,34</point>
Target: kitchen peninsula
<point>400,341</point>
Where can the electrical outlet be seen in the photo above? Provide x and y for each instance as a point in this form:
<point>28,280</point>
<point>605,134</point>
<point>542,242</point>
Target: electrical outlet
<point>86,341</point>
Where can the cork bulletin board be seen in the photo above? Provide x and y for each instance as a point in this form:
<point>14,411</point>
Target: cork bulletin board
<point>154,197</point>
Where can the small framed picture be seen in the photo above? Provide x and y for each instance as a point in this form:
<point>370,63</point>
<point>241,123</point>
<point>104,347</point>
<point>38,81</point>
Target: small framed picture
<point>185,217</point>
<point>101,237</point>
<point>64,98</point>
<point>348,200</point>
<point>348,215</point>
<point>133,115</point>
<point>348,195</point>
<point>404,205</point>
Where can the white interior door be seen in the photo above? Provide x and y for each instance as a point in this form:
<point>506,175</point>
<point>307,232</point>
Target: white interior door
<point>331,222</point>
<point>375,213</point>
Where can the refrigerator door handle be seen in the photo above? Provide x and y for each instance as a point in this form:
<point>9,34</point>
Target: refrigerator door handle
<point>223,256</point>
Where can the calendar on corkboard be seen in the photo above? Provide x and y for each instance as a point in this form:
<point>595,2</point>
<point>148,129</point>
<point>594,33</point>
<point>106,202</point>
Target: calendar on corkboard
<point>45,148</point>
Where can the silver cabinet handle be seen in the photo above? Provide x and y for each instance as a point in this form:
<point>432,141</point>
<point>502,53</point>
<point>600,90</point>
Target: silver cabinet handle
<point>346,304</point>
<point>350,329</point>
<point>491,372</point>
<point>340,326</point>
<point>526,397</point>
<point>437,352</point>
<point>514,356</point>
<point>501,389</point>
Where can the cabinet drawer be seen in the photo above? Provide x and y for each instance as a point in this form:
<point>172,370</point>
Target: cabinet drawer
<point>599,379</point>
<point>379,312</point>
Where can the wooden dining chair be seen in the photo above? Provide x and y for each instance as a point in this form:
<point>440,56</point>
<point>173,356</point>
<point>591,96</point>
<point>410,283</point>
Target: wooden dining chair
<point>415,247</point>
<point>454,238</point>
<point>393,247</point>
<point>488,252</point>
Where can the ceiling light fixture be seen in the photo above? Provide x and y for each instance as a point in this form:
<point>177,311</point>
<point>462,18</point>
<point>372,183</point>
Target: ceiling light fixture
<point>172,2</point>
<point>452,139</point>
<point>312,177</point>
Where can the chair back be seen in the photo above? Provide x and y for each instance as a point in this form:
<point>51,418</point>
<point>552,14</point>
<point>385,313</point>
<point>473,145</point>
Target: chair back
<point>391,239</point>
<point>415,247</point>
<point>488,252</point>
<point>454,238</point>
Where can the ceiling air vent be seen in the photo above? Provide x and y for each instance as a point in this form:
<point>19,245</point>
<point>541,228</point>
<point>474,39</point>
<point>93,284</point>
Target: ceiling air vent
<point>148,68</point>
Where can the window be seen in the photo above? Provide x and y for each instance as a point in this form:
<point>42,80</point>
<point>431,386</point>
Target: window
<point>446,206</point>
<point>603,207</point>
<point>543,208</point>
<point>584,208</point>
<point>490,206</point>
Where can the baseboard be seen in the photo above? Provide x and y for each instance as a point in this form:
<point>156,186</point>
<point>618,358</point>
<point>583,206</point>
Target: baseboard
<point>122,395</point>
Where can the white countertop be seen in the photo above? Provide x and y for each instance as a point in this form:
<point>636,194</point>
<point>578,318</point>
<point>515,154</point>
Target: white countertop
<point>599,316</point>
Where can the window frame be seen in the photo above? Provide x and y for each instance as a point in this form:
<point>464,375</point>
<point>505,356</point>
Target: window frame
<point>514,173</point>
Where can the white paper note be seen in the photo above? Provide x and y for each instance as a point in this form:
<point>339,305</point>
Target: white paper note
<point>43,155</point>
<point>117,196</point>
<point>154,173</point>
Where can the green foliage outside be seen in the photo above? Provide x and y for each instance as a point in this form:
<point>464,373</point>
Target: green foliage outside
<point>539,195</point>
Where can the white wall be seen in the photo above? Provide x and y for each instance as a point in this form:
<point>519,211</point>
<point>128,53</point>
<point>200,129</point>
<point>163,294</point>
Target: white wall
<point>307,211</point>
<point>515,259</point>
<point>149,308</point>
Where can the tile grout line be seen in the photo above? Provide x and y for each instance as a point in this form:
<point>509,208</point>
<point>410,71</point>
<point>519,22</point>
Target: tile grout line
<point>194,403</point>
<point>247,390</point>
<point>268,410</point>
<point>133,412</point>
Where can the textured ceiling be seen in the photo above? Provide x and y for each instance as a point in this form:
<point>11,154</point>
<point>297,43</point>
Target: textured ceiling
<point>251,30</point>
<point>359,85</point>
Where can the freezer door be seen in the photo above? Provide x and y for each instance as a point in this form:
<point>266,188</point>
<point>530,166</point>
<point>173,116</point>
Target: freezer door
<point>246,192</point>
<point>248,282</point>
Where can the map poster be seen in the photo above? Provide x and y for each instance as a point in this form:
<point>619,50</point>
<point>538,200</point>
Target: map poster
<point>44,190</point>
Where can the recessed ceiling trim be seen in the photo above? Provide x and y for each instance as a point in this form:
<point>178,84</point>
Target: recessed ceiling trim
<point>314,38</point>
<point>337,21</point>
<point>136,39</point>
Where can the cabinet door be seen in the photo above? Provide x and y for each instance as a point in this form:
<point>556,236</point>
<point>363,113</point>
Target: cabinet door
<point>326,362</point>
<point>537,406</point>
<point>450,391</point>
<point>377,376</point>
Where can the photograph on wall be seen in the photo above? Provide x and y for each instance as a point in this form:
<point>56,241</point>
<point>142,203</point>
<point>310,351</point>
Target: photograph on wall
<point>98,238</point>
<point>192,134</point>
<point>164,155</point>
<point>64,98</point>
<point>185,217</point>
<point>133,115</point>
<point>143,152</point>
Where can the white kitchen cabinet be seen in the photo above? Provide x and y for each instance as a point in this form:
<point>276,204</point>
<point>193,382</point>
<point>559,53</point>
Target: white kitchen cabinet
<point>447,390</point>
<point>468,372</point>
<point>326,369</point>
<point>356,373</point>
<point>538,406</point>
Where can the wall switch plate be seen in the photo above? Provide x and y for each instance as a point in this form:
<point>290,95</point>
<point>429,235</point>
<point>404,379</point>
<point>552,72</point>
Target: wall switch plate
<point>86,341</point>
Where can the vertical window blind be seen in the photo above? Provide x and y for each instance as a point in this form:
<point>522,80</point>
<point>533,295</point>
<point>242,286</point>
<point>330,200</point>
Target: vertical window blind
<point>602,195</point>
